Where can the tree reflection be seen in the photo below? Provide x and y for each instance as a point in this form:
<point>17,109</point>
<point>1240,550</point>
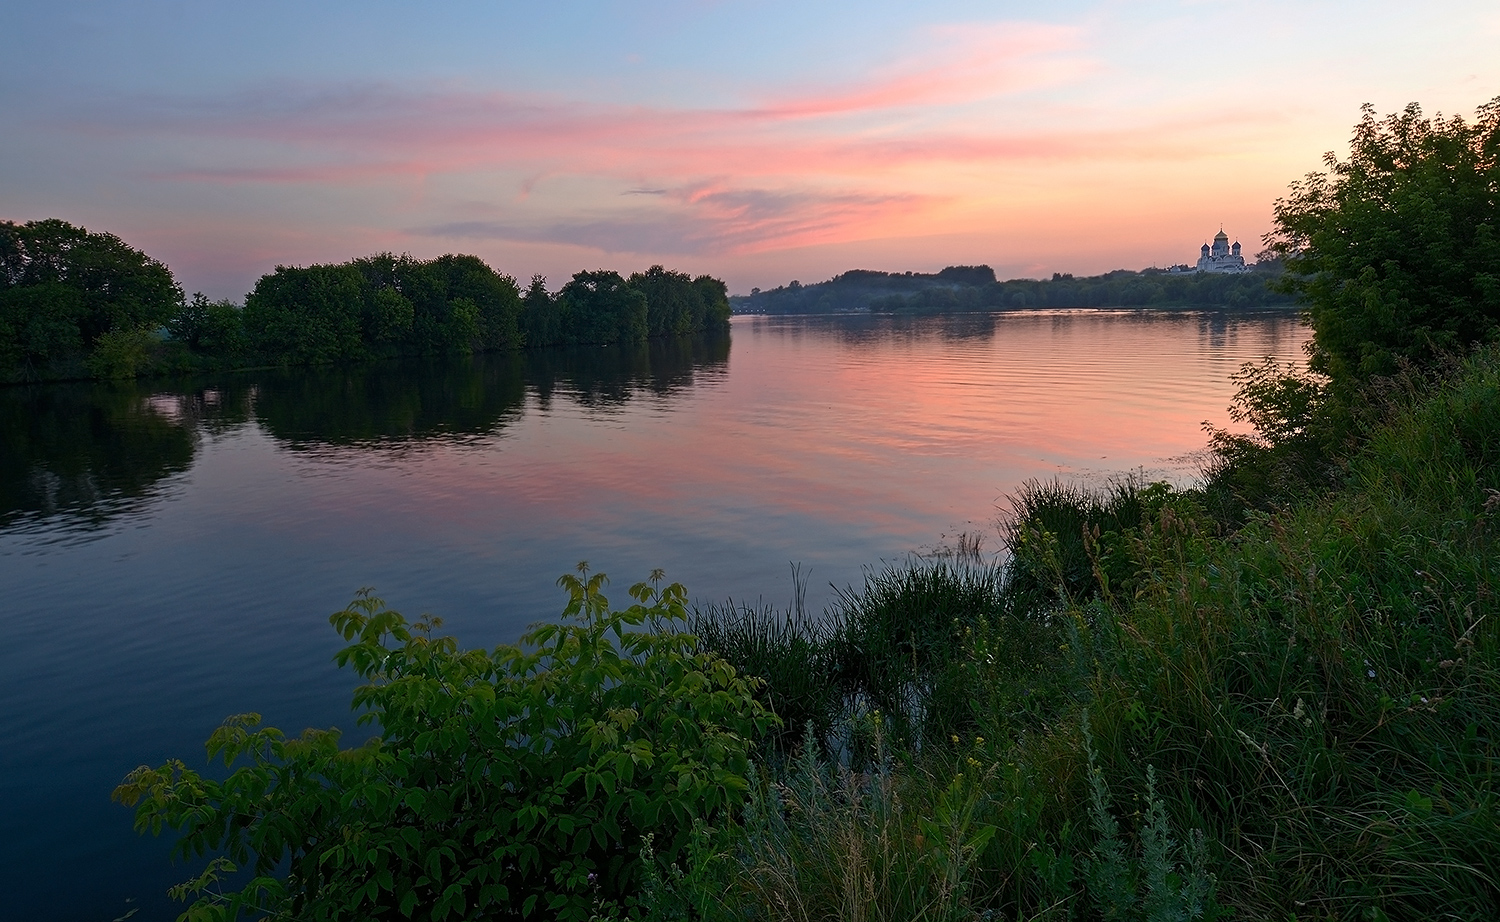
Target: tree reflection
<point>85,451</point>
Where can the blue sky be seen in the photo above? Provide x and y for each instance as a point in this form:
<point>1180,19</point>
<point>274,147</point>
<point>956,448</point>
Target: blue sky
<point>758,141</point>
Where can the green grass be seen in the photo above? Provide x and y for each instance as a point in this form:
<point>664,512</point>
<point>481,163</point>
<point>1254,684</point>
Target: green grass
<point>1290,715</point>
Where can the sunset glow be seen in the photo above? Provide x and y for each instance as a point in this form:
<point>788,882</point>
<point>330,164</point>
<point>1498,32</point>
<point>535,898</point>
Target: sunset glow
<point>758,141</point>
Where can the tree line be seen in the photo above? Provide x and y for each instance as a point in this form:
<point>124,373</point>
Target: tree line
<point>80,304</point>
<point>1120,288</point>
<point>958,289</point>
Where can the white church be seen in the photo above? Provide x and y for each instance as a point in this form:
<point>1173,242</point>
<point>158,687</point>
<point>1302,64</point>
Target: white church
<point>1222,257</point>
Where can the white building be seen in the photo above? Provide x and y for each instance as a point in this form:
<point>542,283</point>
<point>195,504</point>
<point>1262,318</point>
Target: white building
<point>1221,257</point>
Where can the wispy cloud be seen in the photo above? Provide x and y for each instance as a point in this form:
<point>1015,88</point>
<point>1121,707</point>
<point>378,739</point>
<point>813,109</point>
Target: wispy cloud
<point>821,163</point>
<point>708,220</point>
<point>292,133</point>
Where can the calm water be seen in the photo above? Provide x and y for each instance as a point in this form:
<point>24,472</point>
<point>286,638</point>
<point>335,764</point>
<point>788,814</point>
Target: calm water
<point>169,555</point>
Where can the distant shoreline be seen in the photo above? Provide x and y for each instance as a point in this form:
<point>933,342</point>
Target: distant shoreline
<point>1113,308</point>
<point>966,289</point>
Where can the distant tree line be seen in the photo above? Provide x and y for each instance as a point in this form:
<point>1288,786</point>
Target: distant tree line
<point>856,289</point>
<point>1120,288</point>
<point>975,288</point>
<point>76,304</point>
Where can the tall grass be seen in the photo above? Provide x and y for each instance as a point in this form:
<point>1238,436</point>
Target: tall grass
<point>1317,692</point>
<point>1309,688</point>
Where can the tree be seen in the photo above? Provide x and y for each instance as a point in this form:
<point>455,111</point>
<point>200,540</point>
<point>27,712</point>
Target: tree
<point>1396,250</point>
<point>496,298</point>
<point>514,783</point>
<point>207,327</point>
<point>541,315</point>
<point>62,288</point>
<point>672,304</point>
<point>306,316</point>
<point>600,307</point>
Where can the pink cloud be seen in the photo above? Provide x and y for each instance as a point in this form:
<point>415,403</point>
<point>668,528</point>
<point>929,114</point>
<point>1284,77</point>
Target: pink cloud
<point>713,218</point>
<point>962,64</point>
<point>820,165</point>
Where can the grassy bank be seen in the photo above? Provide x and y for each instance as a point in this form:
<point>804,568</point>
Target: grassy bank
<point>1295,701</point>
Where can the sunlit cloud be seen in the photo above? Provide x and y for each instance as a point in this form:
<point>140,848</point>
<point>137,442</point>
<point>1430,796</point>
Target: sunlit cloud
<point>709,219</point>
<point>959,64</point>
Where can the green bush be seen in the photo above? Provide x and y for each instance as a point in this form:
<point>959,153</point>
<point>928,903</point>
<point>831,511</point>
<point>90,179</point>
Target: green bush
<point>1395,252</point>
<point>514,783</point>
<point>121,353</point>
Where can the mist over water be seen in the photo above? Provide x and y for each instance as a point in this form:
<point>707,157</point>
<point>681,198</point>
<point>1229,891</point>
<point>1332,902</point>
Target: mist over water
<point>169,554</point>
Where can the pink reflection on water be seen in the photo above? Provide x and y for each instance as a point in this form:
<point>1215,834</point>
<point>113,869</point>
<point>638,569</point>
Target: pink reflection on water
<point>860,433</point>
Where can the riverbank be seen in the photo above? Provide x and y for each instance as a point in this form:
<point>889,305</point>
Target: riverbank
<point>1264,696</point>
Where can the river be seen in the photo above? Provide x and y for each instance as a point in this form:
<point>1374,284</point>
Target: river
<point>170,552</point>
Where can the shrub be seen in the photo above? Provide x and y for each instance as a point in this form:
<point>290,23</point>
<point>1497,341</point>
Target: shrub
<point>513,783</point>
<point>1395,251</point>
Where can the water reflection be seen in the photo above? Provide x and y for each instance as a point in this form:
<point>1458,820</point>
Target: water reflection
<point>264,500</point>
<point>76,456</point>
<point>385,405</point>
<point>84,452</point>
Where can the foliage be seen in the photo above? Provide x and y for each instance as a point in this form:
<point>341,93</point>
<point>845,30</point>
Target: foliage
<point>1151,887</point>
<point>900,643</point>
<point>1315,687</point>
<point>307,316</point>
<point>1066,541</point>
<point>541,316</point>
<point>62,288</point>
<point>1120,288</point>
<point>66,294</point>
<point>214,328</point>
<point>519,782</point>
<point>678,304</point>
<point>600,307</point>
<point>1395,251</point>
<point>121,353</point>
<point>789,652</point>
<point>932,646</point>
<point>1301,435</point>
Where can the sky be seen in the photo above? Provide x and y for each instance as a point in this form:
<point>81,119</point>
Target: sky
<point>755,140</point>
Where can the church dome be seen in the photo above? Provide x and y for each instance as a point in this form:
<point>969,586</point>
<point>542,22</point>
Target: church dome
<point>1221,236</point>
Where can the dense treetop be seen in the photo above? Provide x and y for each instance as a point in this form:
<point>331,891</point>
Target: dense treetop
<point>1396,250</point>
<point>62,288</point>
<point>74,303</point>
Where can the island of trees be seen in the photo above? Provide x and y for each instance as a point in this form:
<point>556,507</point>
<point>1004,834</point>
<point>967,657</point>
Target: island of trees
<point>975,288</point>
<point>78,304</point>
<point>1273,695</point>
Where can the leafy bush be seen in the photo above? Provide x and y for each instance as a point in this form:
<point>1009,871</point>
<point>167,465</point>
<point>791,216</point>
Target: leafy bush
<point>1395,252</point>
<point>1302,438</point>
<point>519,782</point>
<point>121,353</point>
<point>214,328</point>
